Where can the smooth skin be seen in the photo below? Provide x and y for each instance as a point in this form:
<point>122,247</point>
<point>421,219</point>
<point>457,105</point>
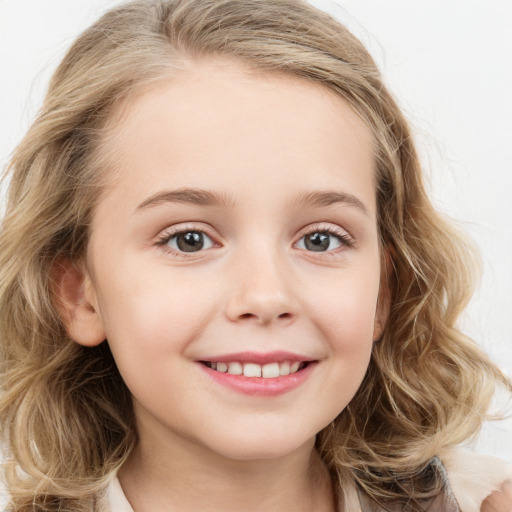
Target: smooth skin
<point>285,163</point>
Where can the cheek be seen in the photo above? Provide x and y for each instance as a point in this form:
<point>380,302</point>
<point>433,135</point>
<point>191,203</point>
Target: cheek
<point>345,316</point>
<point>345,311</point>
<point>152,315</point>
<point>345,320</point>
<point>149,325</point>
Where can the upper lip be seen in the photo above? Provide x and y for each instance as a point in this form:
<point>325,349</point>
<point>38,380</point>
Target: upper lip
<point>258,357</point>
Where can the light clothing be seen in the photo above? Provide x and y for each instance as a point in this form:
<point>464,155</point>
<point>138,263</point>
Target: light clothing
<point>116,500</point>
<point>474,477</point>
<point>471,478</point>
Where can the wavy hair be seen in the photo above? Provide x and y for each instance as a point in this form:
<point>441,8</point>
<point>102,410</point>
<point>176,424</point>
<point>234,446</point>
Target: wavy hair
<point>65,414</point>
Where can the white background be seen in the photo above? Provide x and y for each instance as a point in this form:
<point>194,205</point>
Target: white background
<point>449,62</point>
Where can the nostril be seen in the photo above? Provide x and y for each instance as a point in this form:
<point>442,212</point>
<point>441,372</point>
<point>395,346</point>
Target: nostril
<point>282,316</point>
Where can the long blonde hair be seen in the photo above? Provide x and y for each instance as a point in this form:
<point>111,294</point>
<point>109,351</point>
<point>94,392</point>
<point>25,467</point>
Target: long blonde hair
<point>65,414</point>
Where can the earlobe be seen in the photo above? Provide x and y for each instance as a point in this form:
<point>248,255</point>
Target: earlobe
<point>75,299</point>
<point>378,329</point>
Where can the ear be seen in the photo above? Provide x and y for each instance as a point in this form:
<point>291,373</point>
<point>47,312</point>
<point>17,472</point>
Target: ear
<point>384,298</point>
<point>75,300</point>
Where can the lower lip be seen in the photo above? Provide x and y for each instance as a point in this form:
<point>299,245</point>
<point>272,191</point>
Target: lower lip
<point>258,385</point>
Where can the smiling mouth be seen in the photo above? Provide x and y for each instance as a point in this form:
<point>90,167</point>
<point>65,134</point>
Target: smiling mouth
<point>266,371</point>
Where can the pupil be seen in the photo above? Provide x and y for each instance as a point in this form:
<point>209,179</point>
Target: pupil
<point>190,242</point>
<point>317,242</point>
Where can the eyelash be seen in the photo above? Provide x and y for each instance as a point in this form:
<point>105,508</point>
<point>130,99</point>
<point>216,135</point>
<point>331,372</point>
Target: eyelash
<point>163,240</point>
<point>347,242</point>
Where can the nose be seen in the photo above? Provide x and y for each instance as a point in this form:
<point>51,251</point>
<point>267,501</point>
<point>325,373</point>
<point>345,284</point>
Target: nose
<point>260,291</point>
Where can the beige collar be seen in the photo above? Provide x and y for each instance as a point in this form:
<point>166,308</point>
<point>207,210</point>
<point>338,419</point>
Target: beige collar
<point>471,477</point>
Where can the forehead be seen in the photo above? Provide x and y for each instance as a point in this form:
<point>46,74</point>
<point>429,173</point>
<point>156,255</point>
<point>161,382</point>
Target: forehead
<point>220,124</point>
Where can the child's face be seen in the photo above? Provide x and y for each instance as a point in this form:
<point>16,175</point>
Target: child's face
<point>241,229</point>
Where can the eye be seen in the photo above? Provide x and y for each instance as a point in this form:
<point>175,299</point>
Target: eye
<point>188,241</point>
<point>323,241</point>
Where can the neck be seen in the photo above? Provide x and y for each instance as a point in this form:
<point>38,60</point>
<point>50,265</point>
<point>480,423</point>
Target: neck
<point>181,476</point>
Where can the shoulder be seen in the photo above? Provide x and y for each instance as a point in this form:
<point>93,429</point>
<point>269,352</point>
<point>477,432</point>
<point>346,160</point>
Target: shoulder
<point>480,483</point>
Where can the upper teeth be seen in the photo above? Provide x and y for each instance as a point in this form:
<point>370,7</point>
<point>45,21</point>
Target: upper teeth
<point>267,371</point>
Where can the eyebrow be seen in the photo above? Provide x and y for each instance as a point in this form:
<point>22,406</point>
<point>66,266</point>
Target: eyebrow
<point>195,196</point>
<point>201,197</point>
<point>327,198</point>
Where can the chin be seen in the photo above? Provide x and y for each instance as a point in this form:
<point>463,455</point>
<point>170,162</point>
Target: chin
<point>262,446</point>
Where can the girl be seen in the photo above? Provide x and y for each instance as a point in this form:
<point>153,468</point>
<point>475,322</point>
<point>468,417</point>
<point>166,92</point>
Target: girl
<point>223,286</point>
